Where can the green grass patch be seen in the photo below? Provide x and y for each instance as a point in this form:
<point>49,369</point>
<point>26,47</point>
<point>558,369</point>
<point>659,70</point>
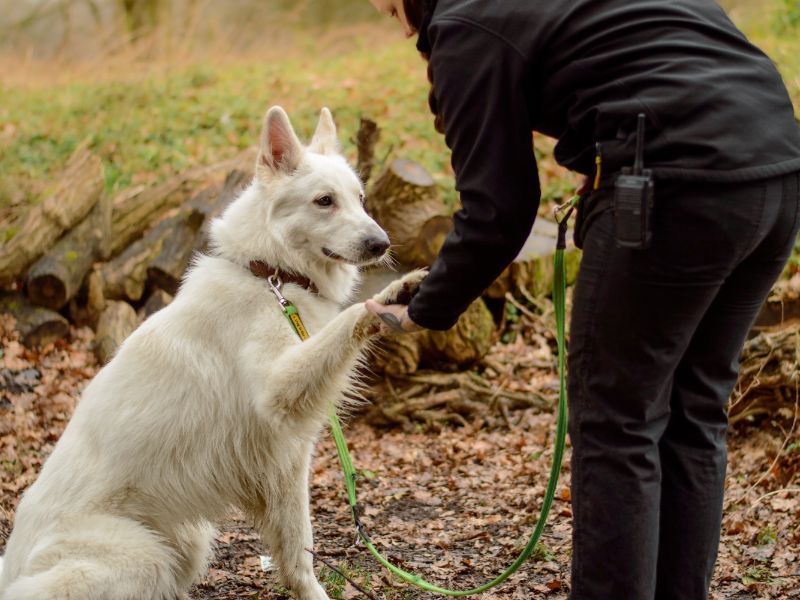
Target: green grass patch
<point>335,583</point>
<point>146,127</point>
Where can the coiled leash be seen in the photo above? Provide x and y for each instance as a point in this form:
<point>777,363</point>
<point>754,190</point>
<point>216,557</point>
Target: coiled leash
<point>562,214</point>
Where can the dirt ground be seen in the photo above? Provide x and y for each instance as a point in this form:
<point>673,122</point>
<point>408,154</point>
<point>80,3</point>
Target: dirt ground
<point>454,505</point>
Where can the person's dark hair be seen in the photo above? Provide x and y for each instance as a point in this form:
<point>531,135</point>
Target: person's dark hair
<point>415,13</point>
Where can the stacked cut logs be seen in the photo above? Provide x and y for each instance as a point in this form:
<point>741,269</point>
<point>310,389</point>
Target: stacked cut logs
<point>107,262</point>
<point>85,257</point>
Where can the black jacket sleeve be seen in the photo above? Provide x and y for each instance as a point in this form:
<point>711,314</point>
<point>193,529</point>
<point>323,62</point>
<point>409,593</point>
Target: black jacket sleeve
<point>479,85</point>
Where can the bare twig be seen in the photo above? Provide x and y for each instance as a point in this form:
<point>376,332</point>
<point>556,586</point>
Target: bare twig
<point>335,570</point>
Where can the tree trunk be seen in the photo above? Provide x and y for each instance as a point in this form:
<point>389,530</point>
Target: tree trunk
<point>116,323</point>
<point>37,326</point>
<point>76,192</point>
<point>135,210</point>
<point>403,201</point>
<point>141,16</point>
<point>57,276</point>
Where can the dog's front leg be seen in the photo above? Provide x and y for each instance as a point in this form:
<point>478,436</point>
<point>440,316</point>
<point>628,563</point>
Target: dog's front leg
<point>308,375</point>
<point>285,526</point>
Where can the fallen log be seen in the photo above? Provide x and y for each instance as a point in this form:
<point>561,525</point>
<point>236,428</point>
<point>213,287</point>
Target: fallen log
<point>76,191</point>
<point>782,305</point>
<point>235,182</point>
<point>397,355</point>
<point>125,276</point>
<point>168,266</point>
<point>462,345</point>
<point>154,303</point>
<point>406,203</point>
<point>116,323</point>
<point>37,326</point>
<point>135,210</point>
<point>89,303</point>
<point>57,276</point>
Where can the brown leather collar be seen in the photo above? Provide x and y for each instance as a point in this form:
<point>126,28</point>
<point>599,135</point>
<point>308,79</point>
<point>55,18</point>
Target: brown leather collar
<point>265,271</point>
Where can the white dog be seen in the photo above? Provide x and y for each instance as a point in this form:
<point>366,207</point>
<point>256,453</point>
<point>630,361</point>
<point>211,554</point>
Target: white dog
<point>214,401</point>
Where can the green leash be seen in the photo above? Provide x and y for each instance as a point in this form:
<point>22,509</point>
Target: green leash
<point>562,215</point>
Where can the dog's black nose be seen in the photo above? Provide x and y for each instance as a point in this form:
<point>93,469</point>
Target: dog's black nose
<point>376,246</point>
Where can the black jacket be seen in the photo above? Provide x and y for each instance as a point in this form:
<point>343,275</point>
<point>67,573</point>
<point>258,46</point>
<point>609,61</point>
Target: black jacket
<point>581,71</point>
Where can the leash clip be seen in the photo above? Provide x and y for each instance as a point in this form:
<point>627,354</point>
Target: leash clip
<point>562,212</point>
<point>275,285</point>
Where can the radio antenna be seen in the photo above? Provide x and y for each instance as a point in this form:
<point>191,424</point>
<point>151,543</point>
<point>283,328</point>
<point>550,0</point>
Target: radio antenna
<point>638,164</point>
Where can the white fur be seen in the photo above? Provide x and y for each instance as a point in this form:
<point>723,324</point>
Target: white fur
<point>211,402</point>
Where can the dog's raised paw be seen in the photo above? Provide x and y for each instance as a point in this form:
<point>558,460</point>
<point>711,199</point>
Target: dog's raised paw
<point>402,290</point>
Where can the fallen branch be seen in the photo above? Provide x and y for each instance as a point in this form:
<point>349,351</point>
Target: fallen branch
<point>74,194</point>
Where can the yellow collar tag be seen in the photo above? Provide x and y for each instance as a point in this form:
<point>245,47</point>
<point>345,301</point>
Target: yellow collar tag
<point>296,322</point>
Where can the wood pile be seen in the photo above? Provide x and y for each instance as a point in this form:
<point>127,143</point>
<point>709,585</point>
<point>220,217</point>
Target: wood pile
<point>84,257</point>
<point>81,256</point>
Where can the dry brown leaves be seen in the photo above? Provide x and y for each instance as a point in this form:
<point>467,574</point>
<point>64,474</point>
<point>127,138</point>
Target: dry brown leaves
<point>455,505</point>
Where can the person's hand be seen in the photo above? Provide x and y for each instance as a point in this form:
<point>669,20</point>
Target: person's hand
<point>394,316</point>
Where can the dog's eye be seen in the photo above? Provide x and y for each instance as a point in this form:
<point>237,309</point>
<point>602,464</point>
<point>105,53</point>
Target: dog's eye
<point>361,197</point>
<point>324,201</point>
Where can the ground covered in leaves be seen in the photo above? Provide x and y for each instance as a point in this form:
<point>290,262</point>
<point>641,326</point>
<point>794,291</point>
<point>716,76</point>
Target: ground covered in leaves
<point>454,503</point>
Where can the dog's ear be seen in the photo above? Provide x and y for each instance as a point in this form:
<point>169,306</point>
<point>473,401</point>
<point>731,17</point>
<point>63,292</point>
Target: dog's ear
<point>280,149</point>
<point>325,140</point>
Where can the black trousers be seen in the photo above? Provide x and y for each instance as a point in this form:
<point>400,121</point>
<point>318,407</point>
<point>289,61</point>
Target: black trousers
<point>654,353</point>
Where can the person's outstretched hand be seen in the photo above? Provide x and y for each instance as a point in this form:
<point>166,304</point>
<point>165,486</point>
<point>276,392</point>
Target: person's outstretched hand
<point>394,316</point>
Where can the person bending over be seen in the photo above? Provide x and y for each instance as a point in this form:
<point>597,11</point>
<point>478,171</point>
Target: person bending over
<point>656,329</point>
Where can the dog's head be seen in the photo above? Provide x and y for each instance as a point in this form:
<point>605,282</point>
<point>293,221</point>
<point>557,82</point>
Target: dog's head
<point>311,198</point>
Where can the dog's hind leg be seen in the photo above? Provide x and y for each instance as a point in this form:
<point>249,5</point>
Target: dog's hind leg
<point>285,526</point>
<point>193,545</point>
<point>98,557</point>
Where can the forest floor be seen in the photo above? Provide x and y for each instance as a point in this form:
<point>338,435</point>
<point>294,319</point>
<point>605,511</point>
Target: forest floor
<point>454,505</point>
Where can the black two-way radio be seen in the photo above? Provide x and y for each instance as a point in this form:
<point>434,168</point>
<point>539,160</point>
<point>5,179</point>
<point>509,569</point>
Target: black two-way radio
<point>633,199</point>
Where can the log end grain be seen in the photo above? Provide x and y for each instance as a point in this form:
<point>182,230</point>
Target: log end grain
<point>37,326</point>
<point>48,290</point>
